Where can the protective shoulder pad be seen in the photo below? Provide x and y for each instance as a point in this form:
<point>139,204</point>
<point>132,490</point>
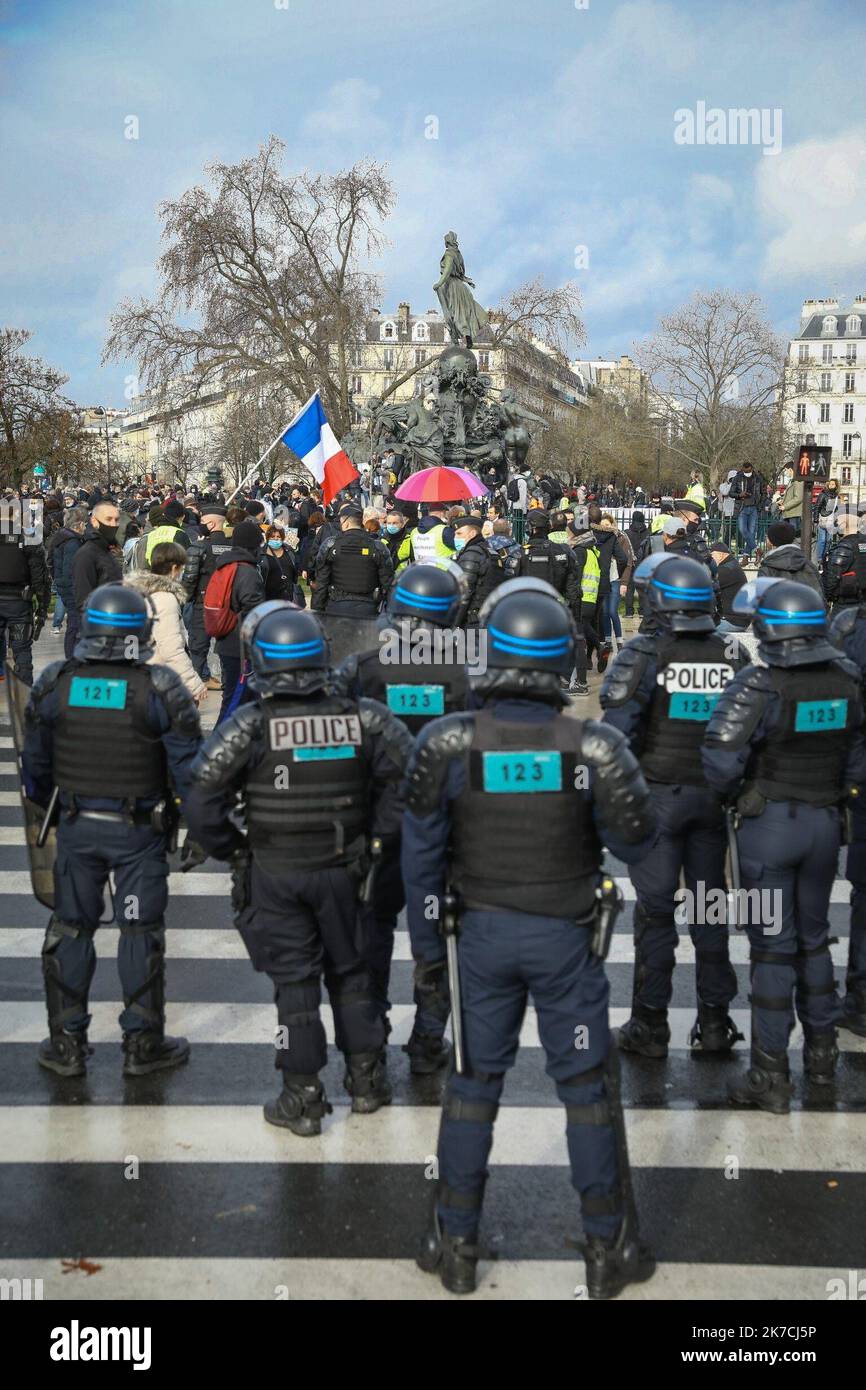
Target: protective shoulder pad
<point>442,740</point>
<point>227,751</point>
<point>327,544</point>
<point>740,707</point>
<point>378,721</point>
<point>182,710</point>
<point>619,789</point>
<point>843,624</point>
<point>47,679</point>
<point>343,677</point>
<point>850,668</point>
<point>625,675</point>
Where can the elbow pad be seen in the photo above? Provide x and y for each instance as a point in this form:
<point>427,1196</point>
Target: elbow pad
<point>628,670</point>
<point>740,709</point>
<point>179,704</point>
<point>226,753</point>
<point>619,790</point>
<point>450,737</point>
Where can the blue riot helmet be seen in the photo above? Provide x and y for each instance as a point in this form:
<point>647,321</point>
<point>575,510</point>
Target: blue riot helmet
<point>678,592</point>
<point>116,625</point>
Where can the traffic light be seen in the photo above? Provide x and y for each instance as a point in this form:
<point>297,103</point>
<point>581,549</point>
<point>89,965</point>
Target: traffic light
<point>813,463</point>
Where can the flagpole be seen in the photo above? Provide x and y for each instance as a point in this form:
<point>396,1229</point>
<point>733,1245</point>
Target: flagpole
<point>252,473</point>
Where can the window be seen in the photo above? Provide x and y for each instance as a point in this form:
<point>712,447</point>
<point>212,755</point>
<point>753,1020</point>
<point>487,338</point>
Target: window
<point>829,325</point>
<point>801,415</point>
<point>388,359</point>
<point>847,413</point>
<point>824,417</point>
<point>386,384</point>
<point>803,355</point>
<point>847,445</point>
<point>484,361</point>
<point>827,352</point>
<point>420,356</point>
<point>421,333</point>
<point>356,386</point>
<point>823,439</point>
<point>846,475</point>
<point>801,381</point>
<point>852,324</point>
<point>355,359</point>
<point>826,380</point>
<point>849,381</point>
<point>850,352</point>
<point>388,330</point>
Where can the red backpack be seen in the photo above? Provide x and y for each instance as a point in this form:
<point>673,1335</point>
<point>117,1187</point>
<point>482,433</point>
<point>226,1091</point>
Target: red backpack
<point>219,617</point>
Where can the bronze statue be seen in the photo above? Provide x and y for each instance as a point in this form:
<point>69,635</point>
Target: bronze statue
<point>463,314</point>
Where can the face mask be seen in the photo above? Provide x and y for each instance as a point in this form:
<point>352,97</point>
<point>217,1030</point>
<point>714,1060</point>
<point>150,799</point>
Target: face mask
<point>692,527</point>
<point>109,533</point>
<point>391,528</point>
<point>275,544</point>
<point>459,542</point>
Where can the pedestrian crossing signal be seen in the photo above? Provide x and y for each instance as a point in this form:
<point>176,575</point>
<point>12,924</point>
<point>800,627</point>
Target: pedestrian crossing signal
<point>813,463</point>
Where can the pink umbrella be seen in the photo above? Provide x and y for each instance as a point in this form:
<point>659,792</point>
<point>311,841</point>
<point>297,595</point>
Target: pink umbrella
<point>441,485</point>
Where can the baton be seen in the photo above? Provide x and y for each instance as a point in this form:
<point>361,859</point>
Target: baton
<point>369,881</point>
<point>49,819</point>
<point>449,931</point>
<point>734,852</point>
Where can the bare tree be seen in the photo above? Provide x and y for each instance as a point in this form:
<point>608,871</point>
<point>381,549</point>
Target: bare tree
<point>719,357</point>
<point>271,269</point>
<point>37,423</point>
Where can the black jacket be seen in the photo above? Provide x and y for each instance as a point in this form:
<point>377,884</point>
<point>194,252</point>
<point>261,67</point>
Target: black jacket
<point>60,553</point>
<point>789,562</point>
<point>482,572</point>
<point>200,561</point>
<point>97,562</point>
<point>336,554</point>
<point>731,578</point>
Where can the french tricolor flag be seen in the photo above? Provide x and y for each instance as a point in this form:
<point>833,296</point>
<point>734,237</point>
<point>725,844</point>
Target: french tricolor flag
<point>312,439</point>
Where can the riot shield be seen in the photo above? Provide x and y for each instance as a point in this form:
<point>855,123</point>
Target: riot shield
<point>41,857</point>
<point>349,635</point>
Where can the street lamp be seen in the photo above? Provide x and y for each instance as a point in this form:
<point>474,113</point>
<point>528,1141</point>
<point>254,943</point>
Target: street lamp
<point>859,464</point>
<point>100,410</point>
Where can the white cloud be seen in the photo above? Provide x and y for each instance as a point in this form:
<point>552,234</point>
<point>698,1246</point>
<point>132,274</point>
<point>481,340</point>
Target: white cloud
<point>812,200</point>
<point>348,111</point>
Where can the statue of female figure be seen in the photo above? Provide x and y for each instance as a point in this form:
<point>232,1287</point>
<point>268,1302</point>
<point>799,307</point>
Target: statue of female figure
<point>463,314</point>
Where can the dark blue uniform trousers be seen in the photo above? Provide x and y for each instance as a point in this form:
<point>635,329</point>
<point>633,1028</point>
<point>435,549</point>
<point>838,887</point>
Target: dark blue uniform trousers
<point>16,622</point>
<point>790,853</point>
<point>298,927</point>
<point>855,979</point>
<point>506,958</point>
<point>87,851</point>
<point>692,840</point>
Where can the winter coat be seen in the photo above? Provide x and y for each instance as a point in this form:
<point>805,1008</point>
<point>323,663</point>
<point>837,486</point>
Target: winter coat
<point>169,635</point>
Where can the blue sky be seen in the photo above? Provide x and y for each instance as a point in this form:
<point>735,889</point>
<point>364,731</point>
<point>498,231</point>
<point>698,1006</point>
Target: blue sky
<point>555,131</point>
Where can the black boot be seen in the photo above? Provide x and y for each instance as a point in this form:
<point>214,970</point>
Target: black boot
<point>65,1053</point>
<point>646,1032</point>
<point>366,1082</point>
<point>453,1258</point>
<point>854,1012</point>
<point>766,1085</point>
<point>612,1264</point>
<point>819,1057</point>
<point>148,1051</point>
<point>300,1106</point>
<point>714,1030</point>
<point>428,1053</point>
<point>604,652</point>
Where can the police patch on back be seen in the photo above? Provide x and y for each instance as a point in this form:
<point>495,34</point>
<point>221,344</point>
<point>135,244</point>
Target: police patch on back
<point>315,735</point>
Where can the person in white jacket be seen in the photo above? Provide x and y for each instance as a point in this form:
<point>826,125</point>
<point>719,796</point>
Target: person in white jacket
<point>161,584</point>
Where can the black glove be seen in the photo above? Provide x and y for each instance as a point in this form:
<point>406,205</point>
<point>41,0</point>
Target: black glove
<point>191,855</point>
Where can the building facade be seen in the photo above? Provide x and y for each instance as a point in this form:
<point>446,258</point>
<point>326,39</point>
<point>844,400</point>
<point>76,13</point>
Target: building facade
<point>825,384</point>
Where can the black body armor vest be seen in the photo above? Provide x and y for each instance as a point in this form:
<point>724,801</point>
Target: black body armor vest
<point>415,693</point>
<point>307,801</point>
<point>804,757</point>
<point>541,564</point>
<point>523,834</point>
<point>692,673</point>
<point>14,569</point>
<point>103,744</point>
<point>211,552</point>
<point>353,566</point>
<point>852,585</point>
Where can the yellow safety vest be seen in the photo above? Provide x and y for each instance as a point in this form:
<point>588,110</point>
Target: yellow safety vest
<point>658,522</point>
<point>591,577</point>
<point>696,494</point>
<point>404,553</point>
<point>157,536</point>
<point>429,548</point>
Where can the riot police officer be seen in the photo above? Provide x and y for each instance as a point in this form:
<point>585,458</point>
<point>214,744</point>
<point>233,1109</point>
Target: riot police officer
<point>845,566</point>
<point>319,779</point>
<point>24,577</point>
<point>785,741</point>
<point>201,559</point>
<point>118,738</point>
<point>353,570</point>
<point>848,633</point>
<point>509,805</point>
<point>660,692</point>
<point>556,564</point>
<point>418,671</point>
